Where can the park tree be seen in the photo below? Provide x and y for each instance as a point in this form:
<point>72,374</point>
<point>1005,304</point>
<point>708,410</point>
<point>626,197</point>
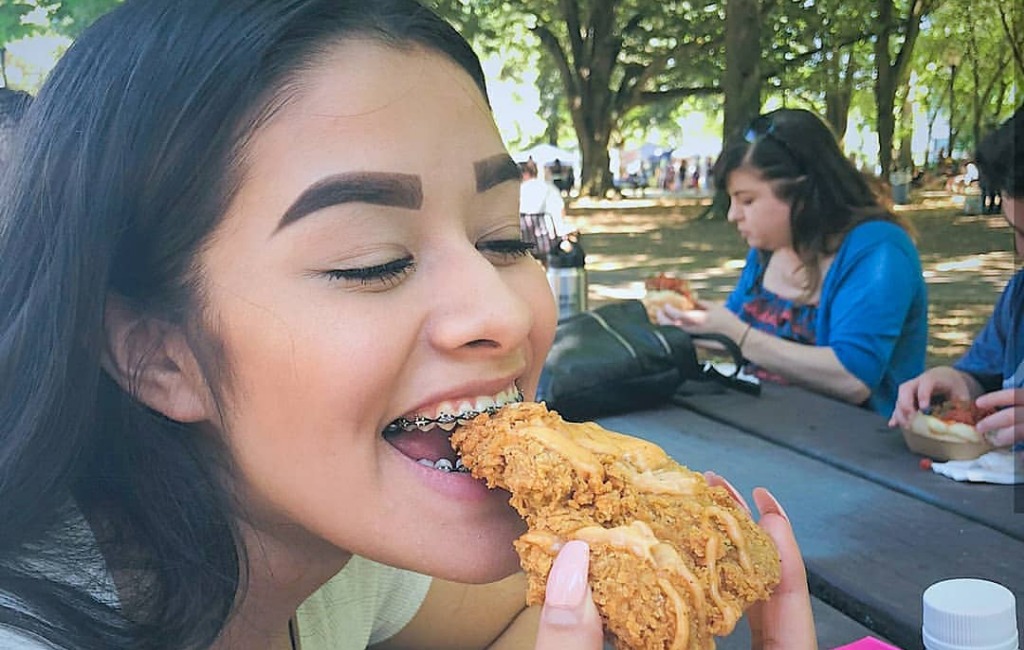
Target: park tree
<point>980,92</point>
<point>742,79</point>
<point>13,27</point>
<point>612,56</point>
<point>71,17</point>
<point>821,55</point>
<point>65,17</point>
<point>899,24</point>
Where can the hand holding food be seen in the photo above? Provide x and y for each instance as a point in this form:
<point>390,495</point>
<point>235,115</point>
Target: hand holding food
<point>664,290</point>
<point>951,420</point>
<point>919,392</point>
<point>674,561</point>
<point>1005,425</point>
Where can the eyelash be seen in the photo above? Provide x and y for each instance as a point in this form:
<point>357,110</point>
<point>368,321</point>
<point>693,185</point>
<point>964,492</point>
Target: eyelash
<point>390,273</point>
<point>510,248</point>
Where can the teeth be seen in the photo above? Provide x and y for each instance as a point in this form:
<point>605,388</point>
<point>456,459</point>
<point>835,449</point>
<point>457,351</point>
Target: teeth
<point>446,418</point>
<point>445,465</point>
<point>449,415</point>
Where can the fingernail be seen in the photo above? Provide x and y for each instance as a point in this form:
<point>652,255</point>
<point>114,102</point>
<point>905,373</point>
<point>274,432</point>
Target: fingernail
<point>996,438</point>
<point>735,494</point>
<point>776,505</point>
<point>567,585</point>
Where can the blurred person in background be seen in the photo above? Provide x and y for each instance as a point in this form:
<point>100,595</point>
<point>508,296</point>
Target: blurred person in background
<point>991,372</point>
<point>831,296</point>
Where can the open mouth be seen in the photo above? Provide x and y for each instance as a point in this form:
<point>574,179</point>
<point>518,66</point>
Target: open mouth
<point>424,437</point>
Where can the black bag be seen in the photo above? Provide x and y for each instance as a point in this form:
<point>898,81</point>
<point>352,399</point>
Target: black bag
<point>612,359</point>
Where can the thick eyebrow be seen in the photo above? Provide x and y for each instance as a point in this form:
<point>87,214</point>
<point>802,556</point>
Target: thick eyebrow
<point>377,188</point>
<point>495,170</point>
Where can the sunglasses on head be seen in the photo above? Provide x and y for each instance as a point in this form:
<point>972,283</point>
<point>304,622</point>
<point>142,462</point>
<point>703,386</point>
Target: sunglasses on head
<point>763,128</point>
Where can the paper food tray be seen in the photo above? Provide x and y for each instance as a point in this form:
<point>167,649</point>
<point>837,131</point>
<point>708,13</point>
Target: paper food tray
<point>944,449</point>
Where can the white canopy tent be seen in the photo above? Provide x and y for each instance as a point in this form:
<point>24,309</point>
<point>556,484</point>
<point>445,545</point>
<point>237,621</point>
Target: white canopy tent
<point>544,154</point>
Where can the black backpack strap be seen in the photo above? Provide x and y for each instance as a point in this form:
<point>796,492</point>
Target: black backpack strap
<point>685,353</point>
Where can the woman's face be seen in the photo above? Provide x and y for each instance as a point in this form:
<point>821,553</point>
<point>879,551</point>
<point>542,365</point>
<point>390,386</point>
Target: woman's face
<point>1013,210</point>
<point>760,216</point>
<point>370,269</point>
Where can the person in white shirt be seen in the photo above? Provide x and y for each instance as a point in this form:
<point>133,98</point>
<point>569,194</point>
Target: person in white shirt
<point>541,211</point>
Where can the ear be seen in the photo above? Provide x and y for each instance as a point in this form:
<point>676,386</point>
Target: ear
<point>152,360</point>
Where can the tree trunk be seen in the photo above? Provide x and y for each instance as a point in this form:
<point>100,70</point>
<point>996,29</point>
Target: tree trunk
<point>742,83</point>
<point>885,88</point>
<point>595,175</point>
<point>839,93</point>
<point>952,109</point>
<point>886,122</point>
<point>891,71</point>
<point>906,158</point>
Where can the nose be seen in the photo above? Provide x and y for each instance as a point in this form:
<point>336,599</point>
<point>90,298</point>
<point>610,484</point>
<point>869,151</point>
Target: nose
<point>482,307</point>
<point>734,212</point>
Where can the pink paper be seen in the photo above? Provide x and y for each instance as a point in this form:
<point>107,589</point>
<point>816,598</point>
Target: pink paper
<point>867,643</point>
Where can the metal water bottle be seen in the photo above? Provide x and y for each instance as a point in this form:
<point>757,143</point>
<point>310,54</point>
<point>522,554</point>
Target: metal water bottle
<point>567,275</point>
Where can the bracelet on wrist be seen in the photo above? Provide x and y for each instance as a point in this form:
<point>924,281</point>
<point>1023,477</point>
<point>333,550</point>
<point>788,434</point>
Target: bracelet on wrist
<point>743,339</point>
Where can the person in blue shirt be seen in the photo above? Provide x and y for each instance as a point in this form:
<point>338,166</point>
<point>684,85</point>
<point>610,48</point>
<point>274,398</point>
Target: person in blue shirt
<point>991,373</point>
<point>832,297</point>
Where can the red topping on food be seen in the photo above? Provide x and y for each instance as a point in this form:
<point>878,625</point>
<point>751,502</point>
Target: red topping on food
<point>955,410</point>
<point>663,282</point>
<point>925,463</point>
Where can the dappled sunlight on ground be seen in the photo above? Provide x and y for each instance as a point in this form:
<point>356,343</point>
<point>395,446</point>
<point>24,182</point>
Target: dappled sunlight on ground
<point>967,260</point>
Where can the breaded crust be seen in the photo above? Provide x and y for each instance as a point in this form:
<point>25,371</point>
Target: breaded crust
<point>674,562</point>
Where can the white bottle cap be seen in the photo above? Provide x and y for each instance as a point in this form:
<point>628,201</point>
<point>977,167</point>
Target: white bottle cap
<point>969,614</point>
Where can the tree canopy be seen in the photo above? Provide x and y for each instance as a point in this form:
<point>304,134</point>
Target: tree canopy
<point>606,70</point>
<point>619,61</point>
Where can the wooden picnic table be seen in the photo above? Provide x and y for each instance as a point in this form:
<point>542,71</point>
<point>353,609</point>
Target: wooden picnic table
<point>874,527</point>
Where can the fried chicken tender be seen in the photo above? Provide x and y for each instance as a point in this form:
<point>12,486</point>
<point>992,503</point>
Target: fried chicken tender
<point>674,561</point>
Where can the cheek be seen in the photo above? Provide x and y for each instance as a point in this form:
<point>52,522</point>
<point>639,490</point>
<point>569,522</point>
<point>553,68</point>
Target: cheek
<point>292,371</point>
<point>1012,208</point>
<point>536,294</point>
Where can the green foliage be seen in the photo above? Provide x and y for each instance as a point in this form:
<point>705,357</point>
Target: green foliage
<point>973,36</point>
<point>65,17</point>
<point>13,25</point>
<point>71,17</point>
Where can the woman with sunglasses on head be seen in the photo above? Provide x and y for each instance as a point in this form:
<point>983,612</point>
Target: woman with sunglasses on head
<point>831,297</point>
<point>245,240</point>
<point>991,373</point>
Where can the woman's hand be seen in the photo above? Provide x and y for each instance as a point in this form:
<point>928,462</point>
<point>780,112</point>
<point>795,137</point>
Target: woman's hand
<point>784,621</point>
<point>1006,426</point>
<point>569,619</point>
<point>709,317</point>
<point>918,392</point>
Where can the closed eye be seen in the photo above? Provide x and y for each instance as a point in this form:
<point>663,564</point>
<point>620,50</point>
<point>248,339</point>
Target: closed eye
<point>507,250</point>
<point>387,274</point>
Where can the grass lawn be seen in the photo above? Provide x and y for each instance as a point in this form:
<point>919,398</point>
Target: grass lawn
<point>967,259</point>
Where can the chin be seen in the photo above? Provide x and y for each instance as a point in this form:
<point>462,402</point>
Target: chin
<point>480,561</point>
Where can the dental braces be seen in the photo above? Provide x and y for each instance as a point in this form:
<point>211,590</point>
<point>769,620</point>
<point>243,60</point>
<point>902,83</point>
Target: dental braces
<point>445,419</point>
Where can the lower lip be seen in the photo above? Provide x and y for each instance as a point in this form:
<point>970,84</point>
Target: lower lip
<point>459,486</point>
